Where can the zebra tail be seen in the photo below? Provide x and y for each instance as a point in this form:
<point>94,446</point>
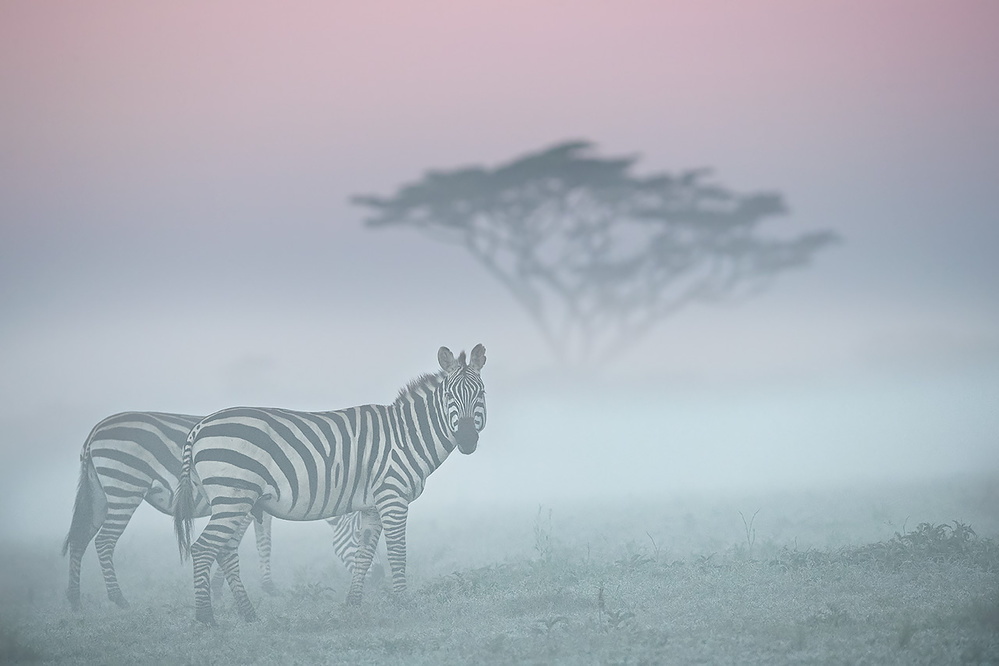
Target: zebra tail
<point>183,510</point>
<point>83,508</point>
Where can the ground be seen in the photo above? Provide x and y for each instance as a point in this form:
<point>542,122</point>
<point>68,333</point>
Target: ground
<point>876,577</point>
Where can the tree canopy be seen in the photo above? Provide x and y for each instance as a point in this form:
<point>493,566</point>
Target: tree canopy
<point>596,254</point>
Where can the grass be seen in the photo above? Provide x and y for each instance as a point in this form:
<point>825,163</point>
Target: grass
<point>558,593</point>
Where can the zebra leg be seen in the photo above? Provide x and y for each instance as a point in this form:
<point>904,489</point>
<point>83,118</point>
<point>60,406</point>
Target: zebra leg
<point>228,560</point>
<point>77,548</point>
<point>221,527</point>
<point>346,537</point>
<point>218,573</point>
<point>393,514</point>
<point>262,530</point>
<point>89,511</point>
<point>76,551</point>
<point>120,509</point>
<point>218,577</point>
<point>218,581</point>
<point>371,529</point>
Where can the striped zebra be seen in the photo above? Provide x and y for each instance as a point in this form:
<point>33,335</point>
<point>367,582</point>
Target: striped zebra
<point>314,465</point>
<point>133,457</point>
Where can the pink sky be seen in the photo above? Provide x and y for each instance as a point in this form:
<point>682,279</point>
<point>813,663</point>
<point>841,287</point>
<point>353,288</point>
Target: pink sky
<point>118,88</point>
<point>878,119</point>
<point>223,117</point>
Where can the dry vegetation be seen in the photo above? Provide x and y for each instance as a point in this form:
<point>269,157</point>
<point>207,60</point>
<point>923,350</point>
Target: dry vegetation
<point>795,583</point>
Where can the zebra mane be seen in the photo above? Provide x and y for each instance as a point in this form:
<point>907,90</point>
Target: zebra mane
<point>425,382</point>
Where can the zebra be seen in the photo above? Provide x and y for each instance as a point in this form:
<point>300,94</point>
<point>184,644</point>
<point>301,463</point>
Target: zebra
<point>133,457</point>
<point>313,465</point>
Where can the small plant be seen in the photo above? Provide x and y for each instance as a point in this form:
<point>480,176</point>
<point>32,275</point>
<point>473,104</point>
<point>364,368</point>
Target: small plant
<point>928,536</point>
<point>655,547</point>
<point>954,542</point>
<point>448,588</point>
<point>633,562</point>
<point>547,625</point>
<point>615,619</point>
<point>703,562</point>
<point>543,535</point>
<point>750,531</point>
<point>940,543</point>
<point>314,591</point>
<point>463,584</point>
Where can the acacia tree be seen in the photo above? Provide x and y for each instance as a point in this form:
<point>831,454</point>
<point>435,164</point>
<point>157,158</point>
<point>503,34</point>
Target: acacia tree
<point>595,254</point>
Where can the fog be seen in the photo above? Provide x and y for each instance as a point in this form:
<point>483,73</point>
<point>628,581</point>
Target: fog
<point>177,236</point>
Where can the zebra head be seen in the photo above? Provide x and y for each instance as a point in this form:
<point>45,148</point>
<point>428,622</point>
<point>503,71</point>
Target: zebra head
<point>464,395</point>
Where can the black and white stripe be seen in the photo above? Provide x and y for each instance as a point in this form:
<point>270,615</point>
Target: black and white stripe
<point>314,465</point>
<point>133,457</point>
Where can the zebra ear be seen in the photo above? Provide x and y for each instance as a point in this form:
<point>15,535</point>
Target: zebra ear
<point>446,359</point>
<point>478,358</point>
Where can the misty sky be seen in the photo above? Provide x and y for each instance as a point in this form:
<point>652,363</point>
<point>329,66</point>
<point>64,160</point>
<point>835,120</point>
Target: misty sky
<point>176,232</point>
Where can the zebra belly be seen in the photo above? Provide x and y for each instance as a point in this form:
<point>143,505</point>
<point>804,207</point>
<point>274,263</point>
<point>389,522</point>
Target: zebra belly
<point>280,506</point>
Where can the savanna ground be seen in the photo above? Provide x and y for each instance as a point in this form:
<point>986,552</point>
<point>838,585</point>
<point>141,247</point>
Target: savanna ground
<point>877,575</point>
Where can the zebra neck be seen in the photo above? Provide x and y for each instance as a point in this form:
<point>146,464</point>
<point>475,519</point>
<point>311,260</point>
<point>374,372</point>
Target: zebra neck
<point>426,440</point>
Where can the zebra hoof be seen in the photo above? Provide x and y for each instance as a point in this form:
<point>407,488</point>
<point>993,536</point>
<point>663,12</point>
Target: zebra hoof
<point>270,588</point>
<point>249,616</point>
<point>205,616</point>
<point>74,601</point>
<point>119,600</point>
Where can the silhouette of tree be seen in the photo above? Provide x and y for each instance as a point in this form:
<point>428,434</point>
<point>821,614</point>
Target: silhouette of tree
<point>594,253</point>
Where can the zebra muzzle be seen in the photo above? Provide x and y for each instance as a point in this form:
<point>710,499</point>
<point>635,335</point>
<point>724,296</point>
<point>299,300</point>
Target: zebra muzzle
<point>466,435</point>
